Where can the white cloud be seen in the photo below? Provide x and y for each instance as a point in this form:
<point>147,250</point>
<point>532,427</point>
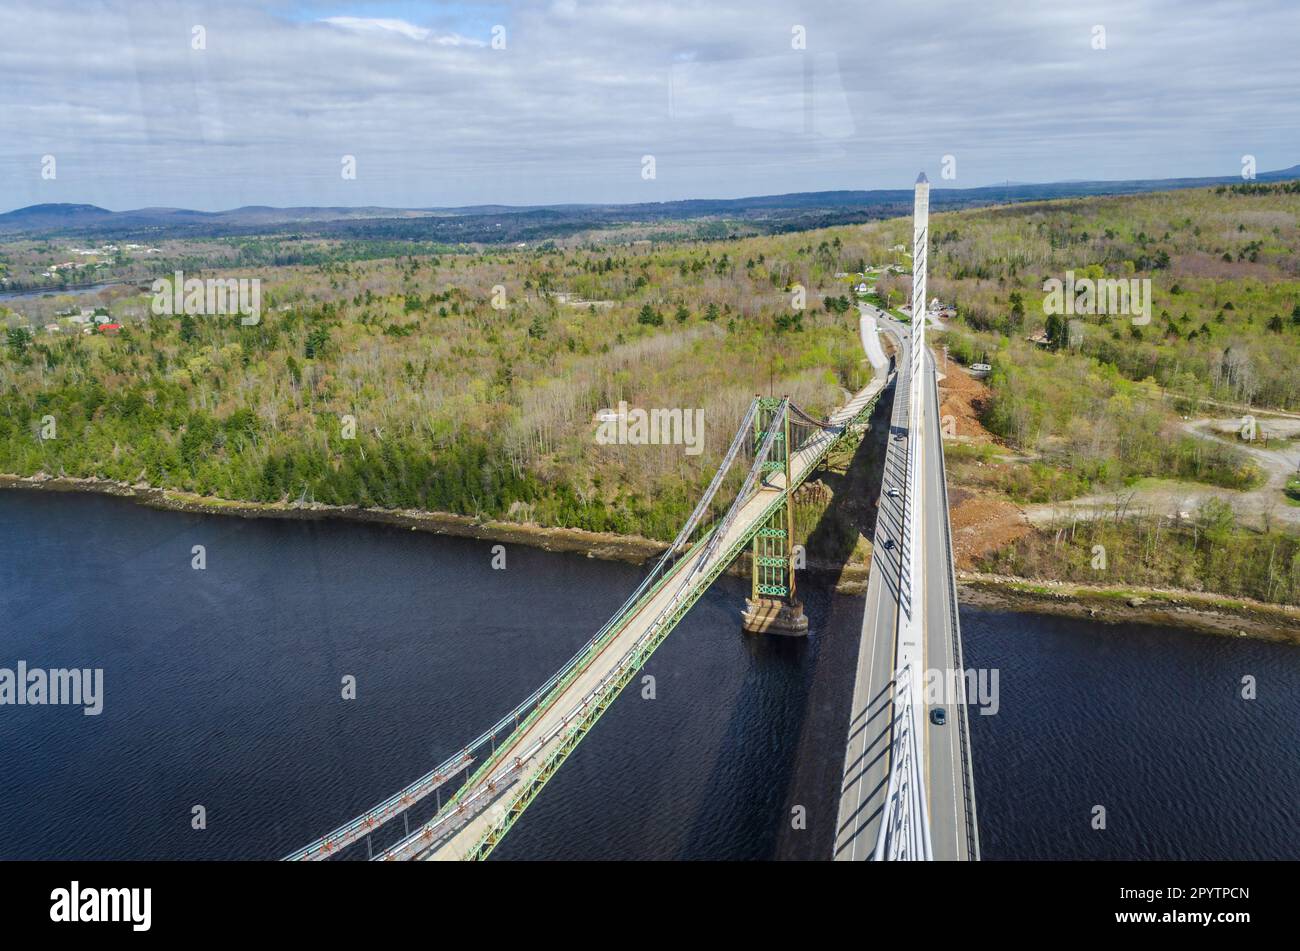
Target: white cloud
<point>400,27</point>
<point>436,116</point>
<point>372,25</point>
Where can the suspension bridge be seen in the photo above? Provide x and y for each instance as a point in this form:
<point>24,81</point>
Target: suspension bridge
<point>777,446</point>
<point>507,766</point>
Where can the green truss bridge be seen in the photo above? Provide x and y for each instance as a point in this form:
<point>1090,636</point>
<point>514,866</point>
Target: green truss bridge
<point>493,780</point>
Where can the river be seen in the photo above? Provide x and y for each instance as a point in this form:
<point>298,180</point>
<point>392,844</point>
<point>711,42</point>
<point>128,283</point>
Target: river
<point>223,690</point>
<point>80,290</point>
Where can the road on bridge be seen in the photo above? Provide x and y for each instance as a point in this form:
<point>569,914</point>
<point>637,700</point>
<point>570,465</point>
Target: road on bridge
<point>950,798</point>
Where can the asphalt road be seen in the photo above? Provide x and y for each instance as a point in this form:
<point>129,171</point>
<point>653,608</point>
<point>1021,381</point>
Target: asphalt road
<point>866,761</point>
<point>945,787</point>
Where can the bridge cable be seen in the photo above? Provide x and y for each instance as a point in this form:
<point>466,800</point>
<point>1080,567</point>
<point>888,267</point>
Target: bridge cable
<point>357,828</point>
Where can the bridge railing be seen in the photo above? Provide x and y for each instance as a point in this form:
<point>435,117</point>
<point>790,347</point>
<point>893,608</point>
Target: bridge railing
<point>968,792</point>
<point>905,828</point>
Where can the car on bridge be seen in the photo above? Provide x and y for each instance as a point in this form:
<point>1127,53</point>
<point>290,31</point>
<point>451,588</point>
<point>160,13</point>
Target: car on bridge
<point>892,492</point>
<point>938,716</point>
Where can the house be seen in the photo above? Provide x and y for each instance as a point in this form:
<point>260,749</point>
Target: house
<point>1039,337</point>
<point>52,328</point>
<point>110,328</point>
<point>861,287</point>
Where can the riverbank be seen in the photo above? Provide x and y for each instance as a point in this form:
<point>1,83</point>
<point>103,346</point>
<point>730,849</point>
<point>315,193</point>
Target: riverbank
<point>632,549</point>
<point>1119,604</point>
<point>603,545</point>
<point>1207,612</point>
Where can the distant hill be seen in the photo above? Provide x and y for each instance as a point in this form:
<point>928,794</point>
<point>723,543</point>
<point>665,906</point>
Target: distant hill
<point>501,223</point>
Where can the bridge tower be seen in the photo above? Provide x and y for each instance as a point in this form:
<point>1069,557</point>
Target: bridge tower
<point>772,606</point>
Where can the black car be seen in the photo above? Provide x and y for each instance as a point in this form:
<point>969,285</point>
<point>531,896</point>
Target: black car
<point>938,716</point>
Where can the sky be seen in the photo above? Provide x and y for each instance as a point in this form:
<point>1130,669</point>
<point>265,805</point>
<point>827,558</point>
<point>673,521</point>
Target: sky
<point>214,105</point>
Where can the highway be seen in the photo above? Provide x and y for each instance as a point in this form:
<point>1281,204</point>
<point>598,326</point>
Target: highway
<point>948,785</point>
<point>950,799</point>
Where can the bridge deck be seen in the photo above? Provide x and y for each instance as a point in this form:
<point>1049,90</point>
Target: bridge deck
<point>948,782</point>
<point>866,757</point>
<point>866,763</point>
<point>541,738</point>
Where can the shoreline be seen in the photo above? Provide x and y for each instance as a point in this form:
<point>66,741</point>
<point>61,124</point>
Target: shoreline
<point>1205,612</point>
<point>604,545</point>
<point>1115,604</point>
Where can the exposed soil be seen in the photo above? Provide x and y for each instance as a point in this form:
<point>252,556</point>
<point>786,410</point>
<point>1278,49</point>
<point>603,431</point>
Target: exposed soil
<point>963,397</point>
<point>981,522</point>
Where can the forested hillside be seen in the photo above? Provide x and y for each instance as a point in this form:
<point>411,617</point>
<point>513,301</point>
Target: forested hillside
<point>473,380</point>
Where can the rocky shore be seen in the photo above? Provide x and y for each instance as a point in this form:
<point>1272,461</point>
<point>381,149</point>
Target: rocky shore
<point>1117,604</point>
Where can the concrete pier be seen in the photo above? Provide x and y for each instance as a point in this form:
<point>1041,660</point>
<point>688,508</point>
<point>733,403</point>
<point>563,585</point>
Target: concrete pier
<point>774,616</point>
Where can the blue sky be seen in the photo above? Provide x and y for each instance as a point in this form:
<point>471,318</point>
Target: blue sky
<point>583,90</point>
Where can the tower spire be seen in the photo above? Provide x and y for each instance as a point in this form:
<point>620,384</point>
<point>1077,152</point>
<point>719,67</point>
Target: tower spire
<point>920,263</point>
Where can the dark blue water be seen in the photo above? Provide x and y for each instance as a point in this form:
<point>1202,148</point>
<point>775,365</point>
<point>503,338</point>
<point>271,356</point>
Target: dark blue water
<point>223,689</point>
<point>73,291</point>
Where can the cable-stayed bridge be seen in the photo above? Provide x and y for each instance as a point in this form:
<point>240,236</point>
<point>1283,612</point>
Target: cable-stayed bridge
<point>908,788</point>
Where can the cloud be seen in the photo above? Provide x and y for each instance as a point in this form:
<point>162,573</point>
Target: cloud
<point>379,26</point>
<point>400,27</point>
<point>580,91</point>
